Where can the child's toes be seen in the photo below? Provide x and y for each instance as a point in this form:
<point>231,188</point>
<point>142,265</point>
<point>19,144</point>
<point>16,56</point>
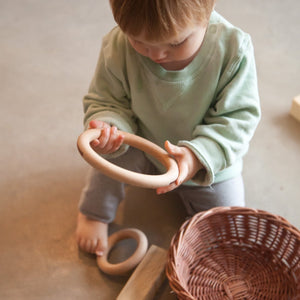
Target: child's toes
<point>93,246</point>
<point>81,243</point>
<point>100,248</point>
<point>85,245</point>
<point>89,246</point>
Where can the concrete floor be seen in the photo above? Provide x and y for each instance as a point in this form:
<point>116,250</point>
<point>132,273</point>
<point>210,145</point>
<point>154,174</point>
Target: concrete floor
<point>47,57</point>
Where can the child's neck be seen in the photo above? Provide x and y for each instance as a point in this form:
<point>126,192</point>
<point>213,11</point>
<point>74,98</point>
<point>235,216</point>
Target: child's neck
<point>179,65</point>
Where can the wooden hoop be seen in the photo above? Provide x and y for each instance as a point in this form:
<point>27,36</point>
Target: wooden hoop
<point>126,176</point>
<point>127,265</point>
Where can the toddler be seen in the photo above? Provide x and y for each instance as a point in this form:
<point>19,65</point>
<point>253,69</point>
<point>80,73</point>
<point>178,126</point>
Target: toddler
<point>178,74</point>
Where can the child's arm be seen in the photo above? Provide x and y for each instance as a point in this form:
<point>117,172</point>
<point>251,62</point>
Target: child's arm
<point>108,99</point>
<point>188,165</point>
<point>222,138</point>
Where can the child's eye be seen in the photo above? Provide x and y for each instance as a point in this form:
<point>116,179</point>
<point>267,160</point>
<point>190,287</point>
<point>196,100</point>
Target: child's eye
<point>178,44</point>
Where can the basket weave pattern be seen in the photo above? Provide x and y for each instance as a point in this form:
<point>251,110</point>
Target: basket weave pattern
<point>235,253</point>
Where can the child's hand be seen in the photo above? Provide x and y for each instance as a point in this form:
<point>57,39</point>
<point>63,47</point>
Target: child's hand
<point>188,166</point>
<point>110,139</point>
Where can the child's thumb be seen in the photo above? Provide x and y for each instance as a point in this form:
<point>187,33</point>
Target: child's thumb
<point>171,149</point>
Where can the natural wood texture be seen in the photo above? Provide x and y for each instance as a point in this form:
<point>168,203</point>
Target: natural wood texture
<point>295,108</point>
<point>120,174</point>
<point>148,276</point>
<point>127,265</point>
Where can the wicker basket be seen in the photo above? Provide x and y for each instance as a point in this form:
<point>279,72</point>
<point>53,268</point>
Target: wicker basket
<point>235,253</point>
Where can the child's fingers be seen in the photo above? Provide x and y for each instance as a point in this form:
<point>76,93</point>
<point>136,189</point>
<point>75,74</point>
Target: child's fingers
<point>94,144</point>
<point>101,141</point>
<point>118,142</point>
<point>183,174</point>
<point>112,138</point>
<point>165,189</point>
<point>98,124</point>
<point>104,138</point>
<point>172,149</point>
<point>111,143</point>
<point>109,140</point>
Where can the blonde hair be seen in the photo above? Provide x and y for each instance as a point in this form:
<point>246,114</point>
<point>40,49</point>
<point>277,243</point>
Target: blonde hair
<point>160,19</point>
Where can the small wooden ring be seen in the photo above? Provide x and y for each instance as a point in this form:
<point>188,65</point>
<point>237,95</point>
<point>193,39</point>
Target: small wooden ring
<point>124,267</point>
<point>126,176</point>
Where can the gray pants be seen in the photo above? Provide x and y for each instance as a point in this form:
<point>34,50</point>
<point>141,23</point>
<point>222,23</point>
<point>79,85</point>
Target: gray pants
<point>102,195</point>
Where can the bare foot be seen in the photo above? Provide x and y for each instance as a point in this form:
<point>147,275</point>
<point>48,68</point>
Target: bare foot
<point>91,235</point>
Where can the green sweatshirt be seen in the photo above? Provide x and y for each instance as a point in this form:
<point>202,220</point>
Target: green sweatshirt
<point>211,106</point>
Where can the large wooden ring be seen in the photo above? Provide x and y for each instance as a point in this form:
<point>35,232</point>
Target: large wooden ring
<point>124,267</point>
<point>126,176</point>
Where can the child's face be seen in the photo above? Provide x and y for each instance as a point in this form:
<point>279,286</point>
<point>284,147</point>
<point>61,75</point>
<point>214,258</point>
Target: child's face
<point>175,53</point>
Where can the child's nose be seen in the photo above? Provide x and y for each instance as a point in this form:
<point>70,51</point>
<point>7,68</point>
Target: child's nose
<point>156,53</point>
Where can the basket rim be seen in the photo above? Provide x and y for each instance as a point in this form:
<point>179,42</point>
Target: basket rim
<point>237,210</point>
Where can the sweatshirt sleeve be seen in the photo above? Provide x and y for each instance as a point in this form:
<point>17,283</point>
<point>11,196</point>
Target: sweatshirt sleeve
<point>229,124</point>
<point>108,98</point>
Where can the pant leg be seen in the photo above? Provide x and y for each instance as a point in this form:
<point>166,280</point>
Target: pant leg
<point>102,195</point>
<point>226,193</point>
